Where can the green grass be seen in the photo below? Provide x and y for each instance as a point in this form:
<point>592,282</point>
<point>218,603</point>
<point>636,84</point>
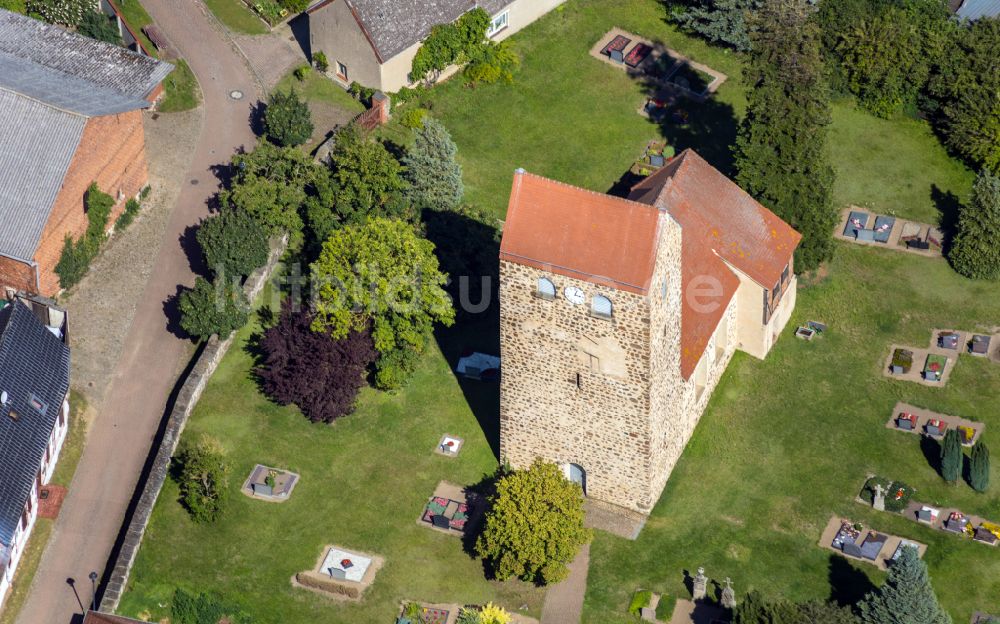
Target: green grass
<point>136,17</point>
<point>180,88</point>
<point>364,483</point>
<point>316,87</point>
<point>784,444</point>
<point>69,457</point>
<point>237,17</point>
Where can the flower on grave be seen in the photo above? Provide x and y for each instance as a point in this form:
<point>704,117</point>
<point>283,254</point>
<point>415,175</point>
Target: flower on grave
<point>899,493</point>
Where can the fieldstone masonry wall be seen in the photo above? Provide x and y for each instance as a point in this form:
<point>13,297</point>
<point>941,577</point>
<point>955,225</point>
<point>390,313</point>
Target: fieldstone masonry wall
<point>187,399</point>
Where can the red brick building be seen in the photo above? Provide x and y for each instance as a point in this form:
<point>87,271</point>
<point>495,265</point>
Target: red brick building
<point>72,110</point>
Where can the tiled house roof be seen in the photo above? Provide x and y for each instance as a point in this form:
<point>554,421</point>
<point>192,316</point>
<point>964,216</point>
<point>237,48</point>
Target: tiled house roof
<point>51,82</point>
<point>93,617</point>
<point>581,234</point>
<point>34,371</point>
<point>394,25</point>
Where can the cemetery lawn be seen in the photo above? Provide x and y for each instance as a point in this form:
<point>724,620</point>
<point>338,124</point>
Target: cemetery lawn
<point>364,483</point>
<point>785,443</point>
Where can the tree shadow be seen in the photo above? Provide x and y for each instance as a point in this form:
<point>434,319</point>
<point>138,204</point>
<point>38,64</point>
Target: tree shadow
<point>949,206</point>
<point>479,494</point>
<point>703,124</point>
<point>188,240</point>
<point>848,585</point>
<point>468,250</point>
<point>931,449</point>
<point>172,312</point>
<point>256,118</point>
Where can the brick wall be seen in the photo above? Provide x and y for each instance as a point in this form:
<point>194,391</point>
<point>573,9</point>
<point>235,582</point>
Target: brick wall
<point>16,275</point>
<point>111,153</point>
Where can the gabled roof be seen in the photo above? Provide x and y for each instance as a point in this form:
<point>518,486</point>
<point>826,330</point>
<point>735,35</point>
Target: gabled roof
<point>712,207</point>
<point>51,82</point>
<point>69,57</point>
<point>394,25</point>
<point>37,143</point>
<point>976,9</point>
<point>581,234</point>
<point>33,363</point>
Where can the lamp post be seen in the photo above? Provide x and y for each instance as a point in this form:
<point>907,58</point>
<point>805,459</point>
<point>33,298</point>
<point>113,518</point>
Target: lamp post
<point>93,588</point>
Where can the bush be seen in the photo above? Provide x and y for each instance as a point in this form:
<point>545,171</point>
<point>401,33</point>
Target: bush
<point>209,309</point>
<point>413,118</point>
<point>63,12</point>
<point>294,6</point>
<point>234,243</point>
<point>204,609</point>
<point>203,479</point>
<point>128,215</point>
<point>394,368</point>
<point>534,526</point>
<point>491,63</point>
<point>665,608</point>
<point>320,61</point>
<point>287,120</point>
<point>450,44</point>
<point>891,489</point>
<point>97,25</point>
<point>493,614</point>
<point>312,370</point>
<point>466,616</point>
<point>361,93</point>
<point>75,259</point>
<point>640,600</point>
<point>301,72</point>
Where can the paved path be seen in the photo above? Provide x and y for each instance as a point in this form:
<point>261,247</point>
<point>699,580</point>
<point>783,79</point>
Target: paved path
<point>564,601</point>
<point>122,432</point>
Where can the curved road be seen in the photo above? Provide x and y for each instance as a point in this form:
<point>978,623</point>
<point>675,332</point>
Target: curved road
<point>121,435</point>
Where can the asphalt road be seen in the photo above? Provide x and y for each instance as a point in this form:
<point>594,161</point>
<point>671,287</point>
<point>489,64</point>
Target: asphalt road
<point>121,435</point>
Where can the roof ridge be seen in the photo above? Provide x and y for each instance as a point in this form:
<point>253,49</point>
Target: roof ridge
<point>624,200</point>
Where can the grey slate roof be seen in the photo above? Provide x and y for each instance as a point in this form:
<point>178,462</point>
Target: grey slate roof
<point>395,25</point>
<point>103,65</point>
<point>37,143</point>
<point>51,82</point>
<point>975,9</point>
<point>32,361</point>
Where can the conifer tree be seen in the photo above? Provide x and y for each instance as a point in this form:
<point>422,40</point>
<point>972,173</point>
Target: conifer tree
<point>979,467</point>
<point>781,144</point>
<point>435,176</point>
<point>951,456</point>
<point>906,597</point>
<point>976,249</point>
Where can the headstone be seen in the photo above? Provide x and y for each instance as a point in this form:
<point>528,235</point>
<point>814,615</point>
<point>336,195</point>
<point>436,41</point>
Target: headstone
<point>700,585</point>
<point>728,596</point>
<point>648,614</point>
<point>878,502</point>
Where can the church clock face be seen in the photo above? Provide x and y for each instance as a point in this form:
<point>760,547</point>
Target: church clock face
<point>574,295</point>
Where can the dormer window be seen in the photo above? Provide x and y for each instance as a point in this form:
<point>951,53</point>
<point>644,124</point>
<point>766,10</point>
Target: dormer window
<point>545,289</point>
<point>600,307</point>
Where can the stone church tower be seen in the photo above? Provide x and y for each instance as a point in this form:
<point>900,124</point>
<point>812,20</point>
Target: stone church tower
<point>617,320</point>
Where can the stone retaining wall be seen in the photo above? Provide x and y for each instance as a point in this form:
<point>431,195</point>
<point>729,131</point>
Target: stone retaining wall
<point>187,398</point>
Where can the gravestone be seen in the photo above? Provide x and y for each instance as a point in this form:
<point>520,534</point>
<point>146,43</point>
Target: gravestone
<point>700,585</point>
<point>878,501</point>
<point>648,614</point>
<point>728,596</point>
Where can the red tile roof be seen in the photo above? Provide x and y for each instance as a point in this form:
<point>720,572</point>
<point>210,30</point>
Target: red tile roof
<point>581,234</point>
<point>93,617</point>
<point>742,231</point>
<point>607,240</point>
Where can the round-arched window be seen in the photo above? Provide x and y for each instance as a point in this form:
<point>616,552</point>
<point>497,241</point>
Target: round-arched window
<point>600,306</point>
<point>545,289</point>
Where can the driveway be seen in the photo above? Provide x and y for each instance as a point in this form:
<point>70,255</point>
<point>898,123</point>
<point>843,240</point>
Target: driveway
<point>126,421</point>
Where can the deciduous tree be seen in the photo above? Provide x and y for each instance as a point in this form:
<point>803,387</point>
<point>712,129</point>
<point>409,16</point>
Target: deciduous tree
<point>234,243</point>
<point>287,120</point>
<point>435,176</point>
<point>534,526</point>
<point>204,479</point>
<point>906,597</point>
<point>975,252</point>
<point>368,179</point>
<point>213,309</point>
<point>320,374</point>
<point>781,145</point>
<point>380,275</point>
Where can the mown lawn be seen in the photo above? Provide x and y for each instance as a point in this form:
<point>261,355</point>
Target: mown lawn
<point>237,17</point>
<point>784,444</point>
<point>180,89</point>
<point>364,483</point>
